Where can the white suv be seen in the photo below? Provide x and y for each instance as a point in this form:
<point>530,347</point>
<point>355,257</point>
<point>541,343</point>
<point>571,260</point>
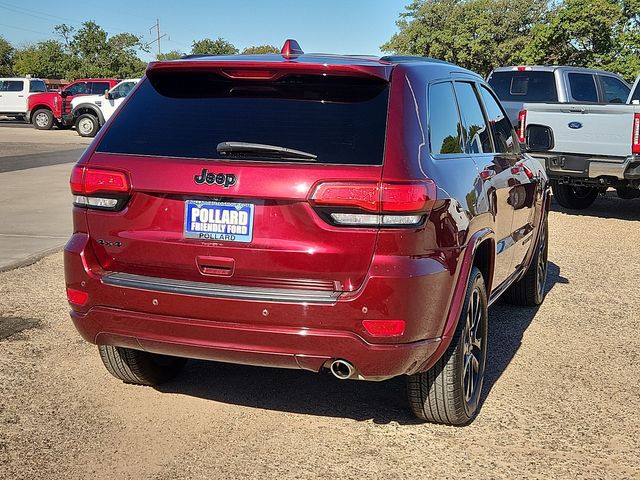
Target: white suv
<point>14,92</point>
<point>92,111</point>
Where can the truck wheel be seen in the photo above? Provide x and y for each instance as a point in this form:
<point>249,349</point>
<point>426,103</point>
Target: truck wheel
<point>138,367</point>
<point>449,392</point>
<point>42,119</point>
<point>627,193</point>
<point>576,198</point>
<point>529,290</point>
<point>87,125</point>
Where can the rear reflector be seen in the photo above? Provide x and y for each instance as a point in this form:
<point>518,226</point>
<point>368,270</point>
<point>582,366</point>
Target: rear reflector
<point>522,126</point>
<point>635,137</point>
<point>384,328</point>
<point>77,297</point>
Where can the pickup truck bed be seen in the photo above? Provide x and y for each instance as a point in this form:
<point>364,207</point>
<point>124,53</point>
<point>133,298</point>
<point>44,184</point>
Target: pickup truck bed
<point>594,147</point>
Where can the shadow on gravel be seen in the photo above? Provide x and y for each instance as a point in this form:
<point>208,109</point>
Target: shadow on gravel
<point>608,206</point>
<point>11,325</point>
<point>507,324</point>
<point>297,391</point>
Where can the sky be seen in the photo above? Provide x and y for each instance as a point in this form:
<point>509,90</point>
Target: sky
<point>328,26</point>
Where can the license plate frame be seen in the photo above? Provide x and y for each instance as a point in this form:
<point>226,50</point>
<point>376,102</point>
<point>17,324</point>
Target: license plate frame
<point>211,223</point>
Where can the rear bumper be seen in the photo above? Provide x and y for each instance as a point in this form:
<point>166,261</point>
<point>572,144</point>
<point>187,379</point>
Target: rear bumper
<point>262,345</point>
<point>275,331</point>
<point>581,166</point>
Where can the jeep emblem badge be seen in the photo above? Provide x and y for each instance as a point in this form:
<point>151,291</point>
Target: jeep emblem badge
<point>225,180</point>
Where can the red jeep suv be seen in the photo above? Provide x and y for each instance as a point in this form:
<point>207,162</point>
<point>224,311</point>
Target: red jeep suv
<point>307,211</point>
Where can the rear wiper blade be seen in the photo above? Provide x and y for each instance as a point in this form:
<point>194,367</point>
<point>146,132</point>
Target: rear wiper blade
<point>225,148</point>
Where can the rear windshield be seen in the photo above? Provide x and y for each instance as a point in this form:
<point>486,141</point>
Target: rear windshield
<point>524,86</point>
<point>341,120</point>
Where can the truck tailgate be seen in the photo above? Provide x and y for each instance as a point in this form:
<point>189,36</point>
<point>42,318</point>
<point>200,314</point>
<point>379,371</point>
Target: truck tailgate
<point>594,130</point>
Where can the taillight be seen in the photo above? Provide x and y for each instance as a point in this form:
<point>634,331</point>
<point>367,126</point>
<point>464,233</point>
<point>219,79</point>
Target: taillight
<point>369,204</point>
<point>635,137</point>
<point>522,126</point>
<point>99,188</point>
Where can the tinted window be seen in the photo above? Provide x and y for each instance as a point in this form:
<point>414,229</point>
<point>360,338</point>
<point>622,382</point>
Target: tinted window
<point>477,136</point>
<point>525,86</point>
<point>37,86</point>
<point>11,86</point>
<point>503,135</point>
<point>445,130</point>
<point>583,87</point>
<point>79,88</point>
<point>98,88</point>
<point>615,91</point>
<point>341,120</point>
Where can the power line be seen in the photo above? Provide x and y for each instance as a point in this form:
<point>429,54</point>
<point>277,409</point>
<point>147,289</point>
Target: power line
<point>48,17</point>
<point>157,29</point>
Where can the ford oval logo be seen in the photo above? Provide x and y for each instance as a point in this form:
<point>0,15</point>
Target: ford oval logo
<point>575,125</point>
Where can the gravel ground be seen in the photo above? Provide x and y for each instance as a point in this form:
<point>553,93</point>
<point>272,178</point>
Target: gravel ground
<point>560,397</point>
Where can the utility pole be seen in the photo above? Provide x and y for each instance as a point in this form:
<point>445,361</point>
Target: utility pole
<point>158,36</point>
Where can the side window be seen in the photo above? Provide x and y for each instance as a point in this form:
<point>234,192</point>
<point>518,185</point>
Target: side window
<point>98,88</point>
<point>503,134</point>
<point>478,138</point>
<point>37,86</point>
<point>615,91</point>
<point>12,86</point>
<point>79,88</point>
<point>445,130</point>
<point>122,90</point>
<point>583,87</point>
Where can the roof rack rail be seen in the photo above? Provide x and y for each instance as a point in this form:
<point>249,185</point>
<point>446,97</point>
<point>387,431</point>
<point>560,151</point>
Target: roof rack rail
<point>411,58</point>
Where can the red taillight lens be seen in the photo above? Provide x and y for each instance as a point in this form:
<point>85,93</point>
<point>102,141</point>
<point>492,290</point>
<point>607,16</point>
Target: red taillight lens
<point>522,126</point>
<point>377,197</point>
<point>77,297</point>
<point>86,181</point>
<point>384,328</point>
<point>635,137</point>
<point>364,196</point>
<point>368,204</point>
<point>407,197</point>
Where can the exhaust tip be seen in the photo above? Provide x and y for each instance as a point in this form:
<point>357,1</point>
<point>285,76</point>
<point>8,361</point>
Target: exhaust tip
<point>342,369</point>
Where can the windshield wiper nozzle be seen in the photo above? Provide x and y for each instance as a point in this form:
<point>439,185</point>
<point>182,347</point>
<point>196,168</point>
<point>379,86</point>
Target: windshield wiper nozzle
<point>259,149</point>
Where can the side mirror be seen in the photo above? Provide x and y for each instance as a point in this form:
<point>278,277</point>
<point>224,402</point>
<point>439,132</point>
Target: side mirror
<point>107,95</point>
<point>64,94</point>
<point>539,138</point>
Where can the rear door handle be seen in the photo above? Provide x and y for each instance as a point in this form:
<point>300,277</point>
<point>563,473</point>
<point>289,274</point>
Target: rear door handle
<point>21,95</point>
<point>218,266</point>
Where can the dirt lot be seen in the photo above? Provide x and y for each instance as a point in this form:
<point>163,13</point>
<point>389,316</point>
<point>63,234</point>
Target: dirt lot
<point>561,397</point>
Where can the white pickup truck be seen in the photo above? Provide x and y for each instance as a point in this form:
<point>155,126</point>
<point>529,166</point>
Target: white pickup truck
<point>587,148</point>
<point>90,112</point>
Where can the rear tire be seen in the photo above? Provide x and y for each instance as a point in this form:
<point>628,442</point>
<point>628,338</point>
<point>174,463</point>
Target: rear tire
<point>138,367</point>
<point>529,290</point>
<point>575,198</point>
<point>87,125</point>
<point>449,392</point>
<point>42,119</point>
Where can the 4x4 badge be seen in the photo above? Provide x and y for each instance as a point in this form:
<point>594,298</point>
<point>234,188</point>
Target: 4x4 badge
<point>224,179</point>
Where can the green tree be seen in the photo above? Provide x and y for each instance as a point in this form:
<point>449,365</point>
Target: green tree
<point>172,55</point>
<point>261,49</point>
<point>6,57</point>
<point>590,33</point>
<point>219,46</point>
<point>93,53</point>
<point>476,34</point>
<point>45,59</point>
